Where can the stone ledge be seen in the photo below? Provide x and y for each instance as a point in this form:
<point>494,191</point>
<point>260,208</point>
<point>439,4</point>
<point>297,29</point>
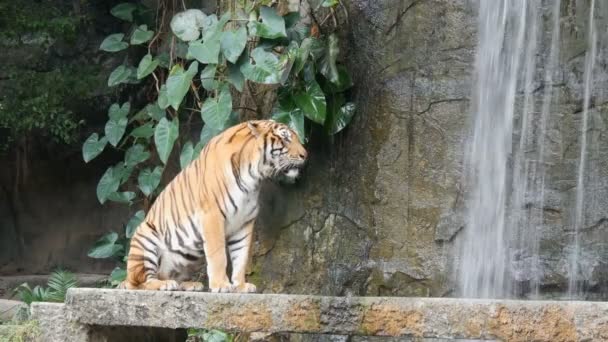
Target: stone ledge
<point>379,316</point>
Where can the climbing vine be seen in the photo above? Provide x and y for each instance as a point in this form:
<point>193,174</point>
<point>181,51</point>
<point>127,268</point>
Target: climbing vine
<point>191,68</point>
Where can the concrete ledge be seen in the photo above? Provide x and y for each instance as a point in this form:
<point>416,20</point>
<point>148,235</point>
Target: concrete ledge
<point>379,316</point>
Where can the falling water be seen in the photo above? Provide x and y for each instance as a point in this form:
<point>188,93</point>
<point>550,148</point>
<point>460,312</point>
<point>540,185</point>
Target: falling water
<point>501,242</point>
<point>590,56</point>
<point>501,29</point>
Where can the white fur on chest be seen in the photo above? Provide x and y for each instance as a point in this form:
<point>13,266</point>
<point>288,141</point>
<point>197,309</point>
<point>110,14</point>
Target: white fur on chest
<point>247,210</point>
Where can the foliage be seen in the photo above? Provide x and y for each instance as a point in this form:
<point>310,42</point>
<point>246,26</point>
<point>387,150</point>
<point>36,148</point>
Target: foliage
<point>204,335</point>
<point>58,284</point>
<point>20,332</point>
<point>36,97</point>
<point>194,79</point>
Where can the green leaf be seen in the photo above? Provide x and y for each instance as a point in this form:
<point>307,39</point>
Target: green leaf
<point>120,75</point>
<point>212,28</point>
<point>327,60</point>
<point>136,154</point>
<point>208,77</point>
<point>141,35</point>
<point>235,77</point>
<point>117,276</point>
<point>330,3</point>
<point>92,147</point>
<point>266,70</point>
<point>114,43</point>
<point>106,247</point>
<point>154,111</point>
<point>149,180</point>
<point>216,111</point>
<point>124,11</point>
<point>109,183</point>
<point>122,197</point>
<point>144,131</point>
<point>302,55</point>
<point>272,25</point>
<point>163,99</point>
<point>343,82</point>
<point>342,117</point>
<point>233,43</point>
<point>215,336</point>
<point>165,134</point>
<point>294,119</point>
<point>207,52</point>
<point>312,102</point>
<point>116,111</point>
<point>115,129</point>
<point>146,66</point>
<point>178,83</point>
<point>208,132</point>
<point>186,156</point>
<point>134,222</point>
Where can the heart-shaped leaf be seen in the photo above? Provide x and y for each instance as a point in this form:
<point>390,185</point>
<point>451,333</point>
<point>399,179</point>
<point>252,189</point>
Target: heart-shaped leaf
<point>207,52</point>
<point>114,43</point>
<point>186,156</point>
<point>312,102</point>
<point>145,131</point>
<point>141,35</point>
<point>120,75</point>
<point>294,119</point>
<point>327,61</point>
<point>136,154</point>
<point>208,77</point>
<point>122,197</point>
<point>109,183</point>
<point>233,43</point>
<point>133,223</point>
<point>165,134</point>
<point>149,180</point>
<point>163,99</point>
<point>106,247</point>
<point>146,66</point>
<point>117,111</point>
<point>272,25</point>
<point>124,11</point>
<point>266,70</point>
<point>216,111</point>
<point>115,129</point>
<point>92,147</point>
<point>178,83</point>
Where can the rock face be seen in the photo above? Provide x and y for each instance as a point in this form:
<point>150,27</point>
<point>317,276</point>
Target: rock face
<point>380,210</point>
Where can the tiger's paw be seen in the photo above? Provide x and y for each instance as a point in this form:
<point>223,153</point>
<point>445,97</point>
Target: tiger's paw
<point>246,288</point>
<point>224,287</point>
<point>191,286</point>
<point>168,285</point>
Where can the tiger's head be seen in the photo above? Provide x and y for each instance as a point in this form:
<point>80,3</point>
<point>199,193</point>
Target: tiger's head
<point>284,156</point>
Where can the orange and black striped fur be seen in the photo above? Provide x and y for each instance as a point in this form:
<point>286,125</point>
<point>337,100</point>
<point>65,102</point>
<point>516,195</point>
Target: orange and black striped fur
<point>207,211</point>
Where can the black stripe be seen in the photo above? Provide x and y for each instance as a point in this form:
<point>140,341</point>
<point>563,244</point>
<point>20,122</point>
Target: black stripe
<point>150,225</point>
<point>149,240</point>
<point>197,234</point>
<point>180,240</point>
<point>235,133</point>
<point>136,257</point>
<point>236,171</point>
<point>236,209</point>
<point>234,250</point>
<point>168,235</point>
<point>264,151</point>
<point>151,261</point>
<point>186,256</point>
<point>250,171</point>
<point>237,241</point>
<point>144,247</point>
<point>219,206</point>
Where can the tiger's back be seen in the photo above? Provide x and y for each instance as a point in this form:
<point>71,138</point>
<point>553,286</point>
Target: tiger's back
<point>207,212</point>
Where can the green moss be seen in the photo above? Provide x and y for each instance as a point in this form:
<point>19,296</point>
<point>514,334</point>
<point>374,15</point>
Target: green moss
<point>26,331</point>
<point>27,17</point>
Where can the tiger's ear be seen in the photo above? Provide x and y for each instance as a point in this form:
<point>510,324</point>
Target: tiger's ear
<point>253,127</point>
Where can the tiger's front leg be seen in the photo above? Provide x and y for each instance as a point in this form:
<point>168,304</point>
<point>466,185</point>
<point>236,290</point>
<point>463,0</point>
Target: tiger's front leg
<point>215,252</point>
<point>239,247</point>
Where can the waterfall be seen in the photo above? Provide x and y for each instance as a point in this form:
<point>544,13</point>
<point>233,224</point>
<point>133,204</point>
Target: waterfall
<point>505,206</point>
<point>579,217</point>
<point>483,260</point>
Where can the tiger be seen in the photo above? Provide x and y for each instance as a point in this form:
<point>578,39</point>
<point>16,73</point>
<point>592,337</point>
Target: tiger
<point>207,212</point>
